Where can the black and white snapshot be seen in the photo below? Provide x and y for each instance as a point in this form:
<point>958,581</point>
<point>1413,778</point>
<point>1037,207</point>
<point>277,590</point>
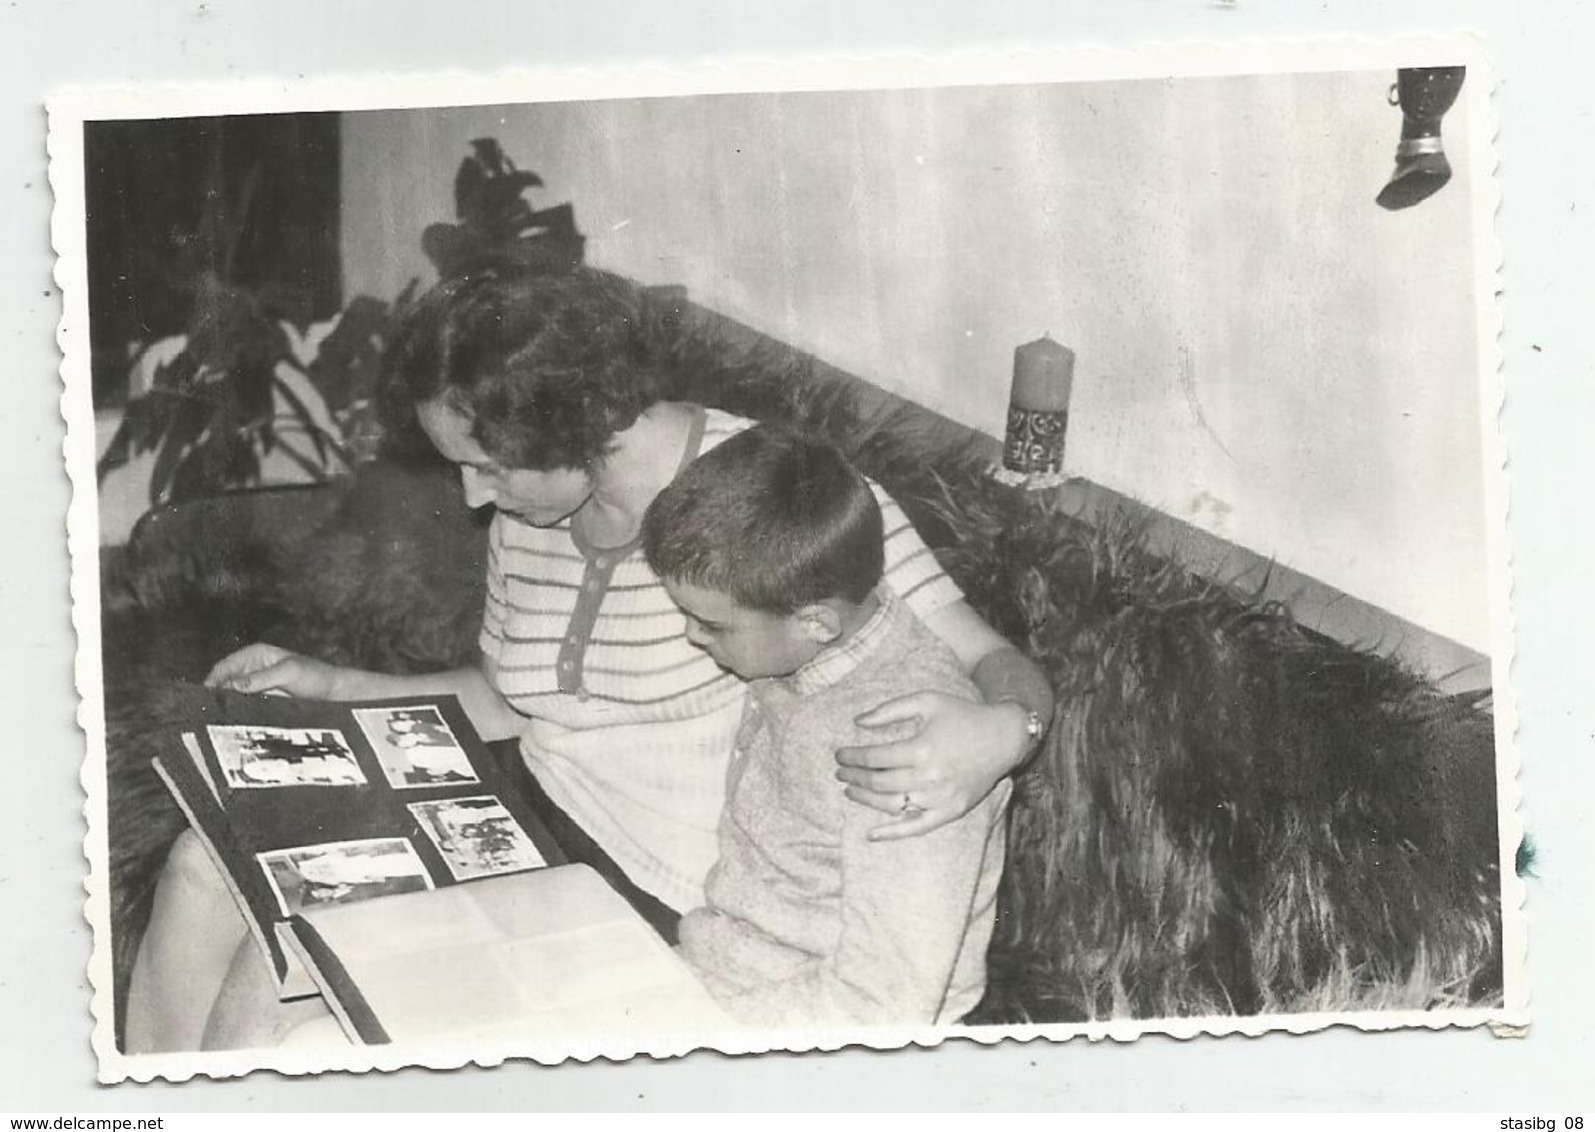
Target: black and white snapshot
<point>961,548</point>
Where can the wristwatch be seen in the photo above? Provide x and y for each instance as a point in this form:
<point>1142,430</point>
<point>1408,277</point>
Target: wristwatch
<point>1035,726</point>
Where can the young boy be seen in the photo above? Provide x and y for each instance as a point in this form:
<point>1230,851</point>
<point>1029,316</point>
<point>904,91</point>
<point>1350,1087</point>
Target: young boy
<point>772,547</point>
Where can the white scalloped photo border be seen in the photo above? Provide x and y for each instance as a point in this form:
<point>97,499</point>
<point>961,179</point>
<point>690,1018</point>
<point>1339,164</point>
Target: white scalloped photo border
<point>69,109</point>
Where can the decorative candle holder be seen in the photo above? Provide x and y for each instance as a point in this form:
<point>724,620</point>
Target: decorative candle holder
<point>1038,415</point>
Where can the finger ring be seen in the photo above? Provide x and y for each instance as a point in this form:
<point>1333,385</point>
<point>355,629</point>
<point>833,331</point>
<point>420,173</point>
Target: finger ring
<point>908,809</point>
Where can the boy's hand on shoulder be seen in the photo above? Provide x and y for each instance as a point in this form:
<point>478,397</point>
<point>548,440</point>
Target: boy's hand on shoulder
<point>956,753</point>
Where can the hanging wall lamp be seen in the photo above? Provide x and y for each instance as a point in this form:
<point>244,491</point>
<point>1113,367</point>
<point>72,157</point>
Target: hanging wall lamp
<point>1424,95</point>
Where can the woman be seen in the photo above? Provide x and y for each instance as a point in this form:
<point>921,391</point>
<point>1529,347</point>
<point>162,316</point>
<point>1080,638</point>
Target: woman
<point>537,391</point>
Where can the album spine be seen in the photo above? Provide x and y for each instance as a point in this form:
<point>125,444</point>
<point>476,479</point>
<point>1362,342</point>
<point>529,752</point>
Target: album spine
<point>343,996</point>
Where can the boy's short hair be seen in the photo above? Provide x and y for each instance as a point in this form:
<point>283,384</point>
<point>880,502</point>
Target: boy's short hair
<point>776,520</point>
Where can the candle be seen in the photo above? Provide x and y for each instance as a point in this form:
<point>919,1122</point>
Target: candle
<point>1038,407</point>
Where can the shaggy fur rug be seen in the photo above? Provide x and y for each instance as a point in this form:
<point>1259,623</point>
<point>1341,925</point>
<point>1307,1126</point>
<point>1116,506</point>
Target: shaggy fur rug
<point>1230,814</point>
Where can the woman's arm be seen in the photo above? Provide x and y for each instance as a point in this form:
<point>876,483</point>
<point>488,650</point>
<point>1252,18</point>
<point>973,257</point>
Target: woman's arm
<point>262,668</point>
<point>961,749</point>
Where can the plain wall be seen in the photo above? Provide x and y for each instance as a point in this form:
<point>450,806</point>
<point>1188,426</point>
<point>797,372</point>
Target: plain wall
<point>1262,351</point>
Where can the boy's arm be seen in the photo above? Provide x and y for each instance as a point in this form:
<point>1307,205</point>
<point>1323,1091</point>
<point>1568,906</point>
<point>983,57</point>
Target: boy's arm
<point>906,908</point>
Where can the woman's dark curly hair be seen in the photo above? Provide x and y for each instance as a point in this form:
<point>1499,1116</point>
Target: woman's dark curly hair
<point>548,368</point>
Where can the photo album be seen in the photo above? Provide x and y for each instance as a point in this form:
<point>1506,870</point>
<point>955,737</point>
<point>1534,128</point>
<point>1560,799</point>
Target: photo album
<point>307,805</point>
<point>382,862</point>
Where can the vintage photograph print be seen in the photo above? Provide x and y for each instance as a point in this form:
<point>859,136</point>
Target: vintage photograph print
<point>284,756</point>
<point>343,871</point>
<point>1113,432</point>
<point>477,837</point>
<point>415,746</point>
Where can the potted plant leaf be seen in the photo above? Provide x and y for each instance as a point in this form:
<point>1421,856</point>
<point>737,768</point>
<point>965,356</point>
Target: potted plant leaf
<point>252,377</point>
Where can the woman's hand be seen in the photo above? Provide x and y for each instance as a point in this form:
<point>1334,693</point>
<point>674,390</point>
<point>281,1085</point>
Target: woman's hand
<point>266,668</point>
<point>958,752</point>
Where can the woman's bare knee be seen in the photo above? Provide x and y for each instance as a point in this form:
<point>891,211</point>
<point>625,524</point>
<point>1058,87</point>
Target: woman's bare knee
<point>247,1013</point>
<point>194,929</point>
